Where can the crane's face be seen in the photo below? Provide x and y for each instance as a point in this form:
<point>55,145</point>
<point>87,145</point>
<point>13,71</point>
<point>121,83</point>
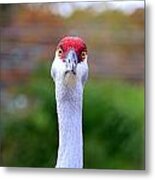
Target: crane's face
<point>70,62</point>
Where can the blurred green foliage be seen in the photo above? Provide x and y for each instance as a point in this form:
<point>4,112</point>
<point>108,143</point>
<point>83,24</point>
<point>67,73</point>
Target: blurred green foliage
<point>113,124</point>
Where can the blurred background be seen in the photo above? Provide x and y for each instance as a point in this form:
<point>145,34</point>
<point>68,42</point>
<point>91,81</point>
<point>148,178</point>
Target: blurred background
<point>113,115</point>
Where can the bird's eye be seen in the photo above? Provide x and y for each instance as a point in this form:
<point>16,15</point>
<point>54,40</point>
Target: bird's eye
<point>60,51</point>
<point>83,55</point>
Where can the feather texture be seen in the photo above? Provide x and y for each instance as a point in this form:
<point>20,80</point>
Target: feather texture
<point>69,97</point>
<point>69,109</point>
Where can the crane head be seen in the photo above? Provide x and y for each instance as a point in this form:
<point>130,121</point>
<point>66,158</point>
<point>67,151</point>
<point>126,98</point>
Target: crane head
<point>70,61</point>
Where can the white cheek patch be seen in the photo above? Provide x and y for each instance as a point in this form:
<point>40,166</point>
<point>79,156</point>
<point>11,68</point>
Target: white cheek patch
<point>82,71</point>
<point>58,68</point>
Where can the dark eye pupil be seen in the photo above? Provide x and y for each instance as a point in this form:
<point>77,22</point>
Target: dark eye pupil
<point>83,54</point>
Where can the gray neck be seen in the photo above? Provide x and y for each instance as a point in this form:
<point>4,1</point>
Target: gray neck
<point>69,109</point>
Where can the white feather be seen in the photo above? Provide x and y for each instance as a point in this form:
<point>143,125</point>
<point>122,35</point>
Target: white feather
<point>69,110</point>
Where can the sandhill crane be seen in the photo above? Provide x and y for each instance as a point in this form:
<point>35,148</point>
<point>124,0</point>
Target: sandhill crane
<point>70,71</point>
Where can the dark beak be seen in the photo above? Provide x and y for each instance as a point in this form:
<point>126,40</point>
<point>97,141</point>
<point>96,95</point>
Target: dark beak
<point>71,62</point>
